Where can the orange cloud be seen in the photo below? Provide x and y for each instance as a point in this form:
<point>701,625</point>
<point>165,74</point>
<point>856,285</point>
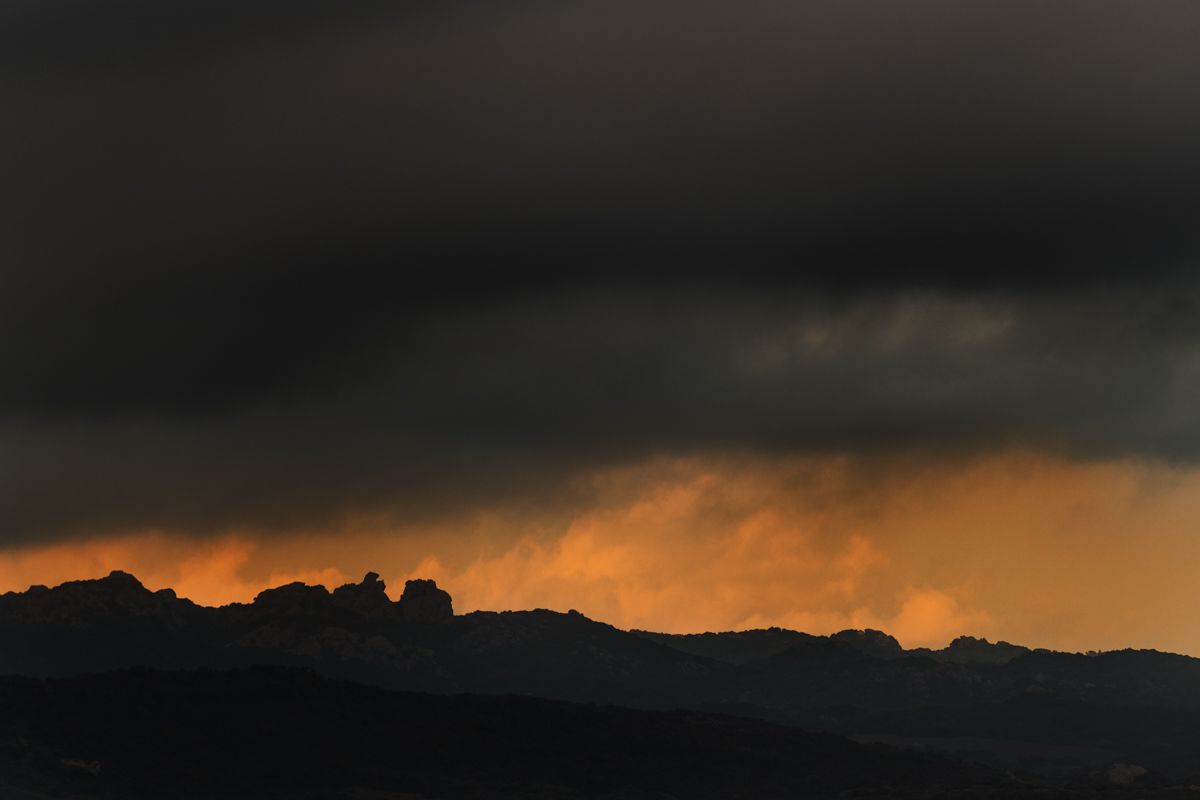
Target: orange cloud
<point>662,562</point>
<point>1026,547</point>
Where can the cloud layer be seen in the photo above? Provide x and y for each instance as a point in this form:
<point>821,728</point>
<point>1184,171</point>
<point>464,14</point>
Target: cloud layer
<point>1043,551</point>
<point>511,403</point>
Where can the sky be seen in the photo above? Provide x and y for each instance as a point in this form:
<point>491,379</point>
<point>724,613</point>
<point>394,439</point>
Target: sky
<point>687,315</point>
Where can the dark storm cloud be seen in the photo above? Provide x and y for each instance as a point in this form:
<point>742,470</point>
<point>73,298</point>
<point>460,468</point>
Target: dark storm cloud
<point>514,403</point>
<point>266,261</point>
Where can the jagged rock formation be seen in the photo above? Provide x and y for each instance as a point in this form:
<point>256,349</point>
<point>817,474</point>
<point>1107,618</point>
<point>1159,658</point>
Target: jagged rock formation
<point>968,649</point>
<point>367,598</point>
<point>294,599</point>
<point>80,604</point>
<point>423,603</point>
<point>870,642</point>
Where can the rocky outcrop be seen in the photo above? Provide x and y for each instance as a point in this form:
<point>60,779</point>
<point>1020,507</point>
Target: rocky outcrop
<point>423,603</point>
<point>968,650</point>
<point>293,599</point>
<point>119,596</point>
<point>876,644</point>
<point>367,598</point>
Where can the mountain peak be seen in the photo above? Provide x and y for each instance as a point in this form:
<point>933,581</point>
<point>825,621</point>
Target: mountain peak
<point>123,579</point>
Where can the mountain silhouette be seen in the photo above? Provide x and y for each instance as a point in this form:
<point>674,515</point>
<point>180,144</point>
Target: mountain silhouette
<point>1036,711</point>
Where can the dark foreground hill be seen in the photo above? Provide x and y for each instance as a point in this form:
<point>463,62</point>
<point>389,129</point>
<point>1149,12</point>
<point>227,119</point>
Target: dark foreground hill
<point>272,732</point>
<point>1033,711</point>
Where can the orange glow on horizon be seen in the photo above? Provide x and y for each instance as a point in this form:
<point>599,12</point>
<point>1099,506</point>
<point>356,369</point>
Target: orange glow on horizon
<point>1032,549</point>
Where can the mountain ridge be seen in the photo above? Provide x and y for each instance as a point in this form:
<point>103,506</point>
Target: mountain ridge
<point>424,602</point>
<point>1132,704</point>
